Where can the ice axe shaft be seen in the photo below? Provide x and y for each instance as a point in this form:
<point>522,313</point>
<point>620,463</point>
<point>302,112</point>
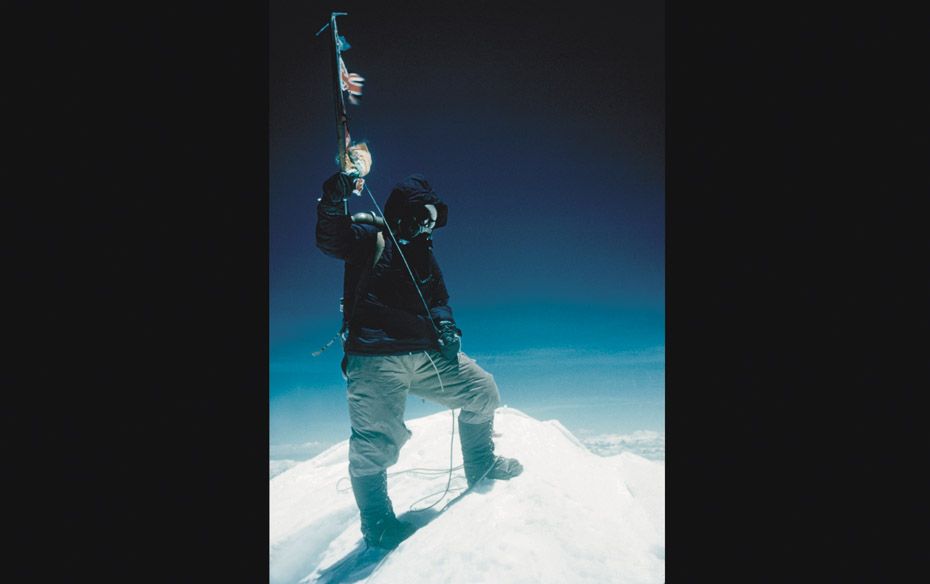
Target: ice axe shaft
<point>354,160</point>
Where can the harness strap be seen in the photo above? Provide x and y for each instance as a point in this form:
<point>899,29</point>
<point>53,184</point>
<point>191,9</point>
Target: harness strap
<point>379,248</point>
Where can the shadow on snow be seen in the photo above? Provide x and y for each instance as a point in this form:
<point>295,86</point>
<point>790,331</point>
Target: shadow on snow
<point>362,560</point>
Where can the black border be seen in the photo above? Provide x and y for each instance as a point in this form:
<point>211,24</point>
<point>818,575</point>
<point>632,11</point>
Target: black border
<point>140,415</point>
<point>794,135</point>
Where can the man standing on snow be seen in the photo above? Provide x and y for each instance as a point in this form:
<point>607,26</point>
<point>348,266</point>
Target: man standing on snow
<point>393,347</point>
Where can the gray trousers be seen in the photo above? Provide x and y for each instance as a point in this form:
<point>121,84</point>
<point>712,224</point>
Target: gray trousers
<point>377,390</point>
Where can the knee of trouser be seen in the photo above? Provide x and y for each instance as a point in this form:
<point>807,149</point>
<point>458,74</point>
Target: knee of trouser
<point>372,452</point>
<point>492,394</point>
<point>483,404</point>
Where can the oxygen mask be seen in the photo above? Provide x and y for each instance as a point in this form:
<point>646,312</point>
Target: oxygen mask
<point>418,224</point>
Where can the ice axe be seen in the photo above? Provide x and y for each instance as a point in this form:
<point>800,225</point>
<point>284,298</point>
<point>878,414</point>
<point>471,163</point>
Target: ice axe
<point>354,159</point>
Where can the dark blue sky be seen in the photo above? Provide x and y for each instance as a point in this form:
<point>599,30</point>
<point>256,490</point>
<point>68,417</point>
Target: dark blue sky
<point>543,130</point>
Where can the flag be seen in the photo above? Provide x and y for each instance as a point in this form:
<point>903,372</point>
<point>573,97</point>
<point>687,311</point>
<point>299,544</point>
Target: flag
<point>351,83</point>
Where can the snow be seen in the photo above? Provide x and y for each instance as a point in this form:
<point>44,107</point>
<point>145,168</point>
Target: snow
<point>276,467</point>
<point>572,516</point>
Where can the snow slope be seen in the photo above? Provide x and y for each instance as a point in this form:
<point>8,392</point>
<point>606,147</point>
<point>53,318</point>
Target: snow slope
<point>572,516</point>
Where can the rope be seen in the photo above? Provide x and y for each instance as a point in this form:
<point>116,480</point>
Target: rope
<point>426,472</point>
<point>421,471</point>
<point>404,258</point>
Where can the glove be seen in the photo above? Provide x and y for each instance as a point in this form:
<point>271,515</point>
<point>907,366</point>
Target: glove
<point>338,188</point>
<point>450,340</point>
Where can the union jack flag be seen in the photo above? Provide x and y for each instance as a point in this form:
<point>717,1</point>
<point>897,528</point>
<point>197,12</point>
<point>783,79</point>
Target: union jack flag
<point>351,83</point>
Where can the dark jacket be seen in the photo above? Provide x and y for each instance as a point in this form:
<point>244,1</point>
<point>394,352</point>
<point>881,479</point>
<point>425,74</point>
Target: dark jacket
<point>381,306</point>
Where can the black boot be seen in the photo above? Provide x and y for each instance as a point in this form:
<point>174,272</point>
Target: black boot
<point>478,454</point>
<point>379,525</point>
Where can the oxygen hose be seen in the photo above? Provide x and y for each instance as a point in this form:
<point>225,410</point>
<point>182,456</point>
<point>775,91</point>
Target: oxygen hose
<point>369,219</point>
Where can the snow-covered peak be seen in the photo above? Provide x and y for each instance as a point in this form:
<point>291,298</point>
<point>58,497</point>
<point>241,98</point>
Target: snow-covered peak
<point>572,516</point>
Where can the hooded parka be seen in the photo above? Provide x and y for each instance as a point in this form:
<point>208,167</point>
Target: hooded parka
<point>382,310</point>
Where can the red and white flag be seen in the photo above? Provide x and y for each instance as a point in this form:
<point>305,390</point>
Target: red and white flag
<point>351,83</point>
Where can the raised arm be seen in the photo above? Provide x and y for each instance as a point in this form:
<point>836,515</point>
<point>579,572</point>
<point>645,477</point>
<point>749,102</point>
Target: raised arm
<point>336,235</point>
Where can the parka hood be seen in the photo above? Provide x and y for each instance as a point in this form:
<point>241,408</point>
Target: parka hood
<point>411,193</point>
